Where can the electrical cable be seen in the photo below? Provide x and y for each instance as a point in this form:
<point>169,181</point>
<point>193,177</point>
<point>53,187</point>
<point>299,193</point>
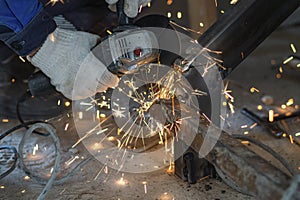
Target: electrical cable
<point>14,165</point>
<point>50,129</point>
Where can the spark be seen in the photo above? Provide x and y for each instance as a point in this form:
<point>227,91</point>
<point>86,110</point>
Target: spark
<point>145,186</point>
<point>231,107</point>
<point>169,14</point>
<point>233,2</point>
<point>69,162</point>
<point>109,32</point>
<point>291,139</point>
<point>2,187</point>
<point>246,132</point>
<point>169,2</point>
<point>53,2</point>
<point>80,115</point>
<point>179,15</point>
<point>98,114</point>
<point>253,89</point>
<point>67,103</point>
<point>26,178</point>
<point>140,8</point>
<point>22,59</point>
<point>290,102</point>
<point>52,37</point>
<point>5,120</point>
<point>182,27</point>
<point>297,134</point>
<point>35,149</point>
<point>103,104</point>
<point>271,115</point>
<point>90,132</point>
<point>243,55</point>
<point>245,142</point>
<point>86,104</point>
<point>66,126</point>
<point>121,181</point>
<point>102,115</point>
<point>281,70</point>
<point>23,191</point>
<point>288,60</point>
<point>201,24</point>
<point>227,92</point>
<point>118,113</point>
<point>284,135</point>
<point>253,125</point>
<point>293,48</point>
<point>259,107</point>
<point>244,126</point>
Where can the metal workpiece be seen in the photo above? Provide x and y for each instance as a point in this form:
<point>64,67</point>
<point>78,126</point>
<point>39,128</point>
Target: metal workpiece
<point>242,28</point>
<point>242,169</point>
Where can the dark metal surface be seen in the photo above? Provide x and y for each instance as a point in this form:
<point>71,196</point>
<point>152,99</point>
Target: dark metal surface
<point>237,33</point>
<point>239,167</point>
<point>272,127</point>
<point>240,30</point>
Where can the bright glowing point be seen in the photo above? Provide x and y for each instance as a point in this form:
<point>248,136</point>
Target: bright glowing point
<point>109,32</point>
<point>5,120</point>
<point>293,48</point>
<point>22,59</point>
<point>169,2</point>
<point>232,2</point>
<point>259,107</point>
<point>290,102</point>
<point>271,115</point>
<point>179,15</point>
<point>288,60</point>
<point>169,14</point>
<point>253,89</point>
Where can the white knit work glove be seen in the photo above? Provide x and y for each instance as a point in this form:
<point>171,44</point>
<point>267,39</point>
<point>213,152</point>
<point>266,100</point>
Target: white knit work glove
<point>131,7</point>
<point>65,56</point>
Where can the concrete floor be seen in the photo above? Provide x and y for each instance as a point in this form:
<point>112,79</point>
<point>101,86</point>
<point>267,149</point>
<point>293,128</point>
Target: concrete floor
<point>257,71</point>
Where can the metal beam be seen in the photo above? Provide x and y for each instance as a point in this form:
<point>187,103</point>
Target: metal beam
<point>241,29</point>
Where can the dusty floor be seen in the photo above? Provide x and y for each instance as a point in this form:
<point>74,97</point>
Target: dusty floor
<point>257,71</point>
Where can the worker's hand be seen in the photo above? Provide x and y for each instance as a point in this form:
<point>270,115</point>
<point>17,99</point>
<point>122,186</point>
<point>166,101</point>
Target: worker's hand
<point>131,7</point>
<point>65,56</point>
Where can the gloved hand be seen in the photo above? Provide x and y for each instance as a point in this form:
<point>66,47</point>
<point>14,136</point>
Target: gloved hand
<point>131,7</point>
<point>67,52</point>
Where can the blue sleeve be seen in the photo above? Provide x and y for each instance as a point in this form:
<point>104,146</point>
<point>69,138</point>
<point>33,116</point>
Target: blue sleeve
<point>24,25</point>
<point>16,14</point>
